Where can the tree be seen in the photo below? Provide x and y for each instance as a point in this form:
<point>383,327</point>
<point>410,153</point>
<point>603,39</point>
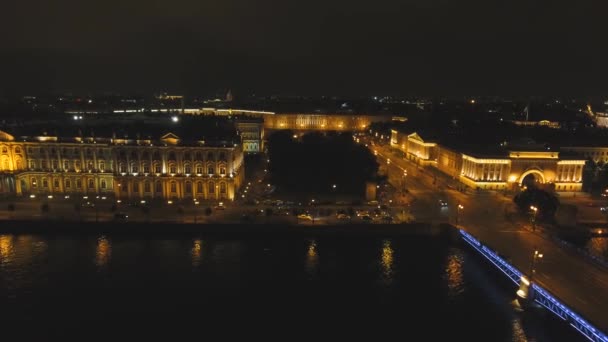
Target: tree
<point>546,202</point>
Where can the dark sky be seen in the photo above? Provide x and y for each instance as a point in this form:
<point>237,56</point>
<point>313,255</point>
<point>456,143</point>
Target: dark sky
<point>330,47</point>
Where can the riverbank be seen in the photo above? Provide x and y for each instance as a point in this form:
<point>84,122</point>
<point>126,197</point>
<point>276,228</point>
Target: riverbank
<point>74,227</point>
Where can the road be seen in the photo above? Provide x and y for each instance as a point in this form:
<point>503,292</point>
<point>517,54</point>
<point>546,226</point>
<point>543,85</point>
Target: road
<point>490,217</point>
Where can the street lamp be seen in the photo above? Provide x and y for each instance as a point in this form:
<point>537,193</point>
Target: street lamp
<point>533,218</point>
<point>458,209</point>
<point>537,255</point>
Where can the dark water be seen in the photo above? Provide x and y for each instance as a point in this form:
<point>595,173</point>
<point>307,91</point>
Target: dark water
<point>126,288</point>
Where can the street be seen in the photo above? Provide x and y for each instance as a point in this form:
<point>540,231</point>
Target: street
<point>490,217</point>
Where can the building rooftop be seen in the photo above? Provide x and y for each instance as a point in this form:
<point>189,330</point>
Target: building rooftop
<point>185,130</point>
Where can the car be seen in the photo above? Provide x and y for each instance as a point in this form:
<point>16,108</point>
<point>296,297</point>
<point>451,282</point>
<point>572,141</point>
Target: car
<point>372,203</point>
<point>88,204</point>
<point>443,203</point>
<point>305,217</point>
<point>367,218</point>
<point>362,213</point>
<point>220,206</point>
<point>121,217</point>
<point>343,217</point>
<point>387,219</point>
<point>604,209</point>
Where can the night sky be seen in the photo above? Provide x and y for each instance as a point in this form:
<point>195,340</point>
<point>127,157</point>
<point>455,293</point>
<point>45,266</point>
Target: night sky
<point>310,47</point>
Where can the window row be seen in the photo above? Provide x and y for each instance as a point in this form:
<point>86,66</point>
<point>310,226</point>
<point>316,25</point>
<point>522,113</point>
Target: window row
<point>67,183</point>
<point>156,155</point>
<point>188,187</point>
<point>5,149</point>
<point>172,168</point>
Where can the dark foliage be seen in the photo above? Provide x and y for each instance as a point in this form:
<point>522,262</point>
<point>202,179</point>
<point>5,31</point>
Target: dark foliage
<point>546,202</point>
<point>316,162</point>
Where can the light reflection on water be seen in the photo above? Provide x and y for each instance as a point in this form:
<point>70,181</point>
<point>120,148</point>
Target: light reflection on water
<point>454,273</point>
<point>312,258</point>
<point>386,262</point>
<point>103,252</point>
<point>519,335</point>
<point>197,252</point>
<point>6,249</point>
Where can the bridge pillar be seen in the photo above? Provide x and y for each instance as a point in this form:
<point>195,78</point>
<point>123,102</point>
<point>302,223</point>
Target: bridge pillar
<point>526,290</point>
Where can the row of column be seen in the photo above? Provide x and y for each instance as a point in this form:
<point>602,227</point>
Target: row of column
<point>130,188</point>
<point>489,172</point>
<point>569,172</point>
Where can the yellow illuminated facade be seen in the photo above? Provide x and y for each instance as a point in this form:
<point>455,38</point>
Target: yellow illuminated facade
<point>321,122</point>
<point>252,134</point>
<point>499,172</point>
<point>125,168</point>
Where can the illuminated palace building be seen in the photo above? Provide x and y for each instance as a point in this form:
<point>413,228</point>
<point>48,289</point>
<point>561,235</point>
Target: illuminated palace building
<point>126,166</point>
<point>500,169</point>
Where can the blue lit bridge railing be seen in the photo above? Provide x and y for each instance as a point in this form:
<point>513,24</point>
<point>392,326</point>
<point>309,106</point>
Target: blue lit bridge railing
<point>541,296</point>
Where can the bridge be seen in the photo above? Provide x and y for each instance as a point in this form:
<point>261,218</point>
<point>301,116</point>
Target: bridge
<point>540,295</point>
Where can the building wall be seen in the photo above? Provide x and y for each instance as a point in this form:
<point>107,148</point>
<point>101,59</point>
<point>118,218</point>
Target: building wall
<point>321,122</point>
<point>449,161</point>
<point>128,171</point>
<point>494,173</point>
<point>597,154</point>
<point>252,135</point>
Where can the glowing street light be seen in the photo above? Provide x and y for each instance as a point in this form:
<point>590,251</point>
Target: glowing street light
<point>533,218</point>
<point>458,209</point>
<point>537,255</point>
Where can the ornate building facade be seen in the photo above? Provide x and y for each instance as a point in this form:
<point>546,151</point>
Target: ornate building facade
<point>167,168</point>
<point>494,171</point>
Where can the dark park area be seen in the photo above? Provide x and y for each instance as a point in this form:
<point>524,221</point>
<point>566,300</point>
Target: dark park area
<point>321,163</point>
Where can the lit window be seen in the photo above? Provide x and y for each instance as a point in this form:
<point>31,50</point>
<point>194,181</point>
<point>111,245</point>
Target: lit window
<point>146,186</point>
<point>173,187</point>
<point>222,188</point>
<point>56,183</point>
<point>172,168</point>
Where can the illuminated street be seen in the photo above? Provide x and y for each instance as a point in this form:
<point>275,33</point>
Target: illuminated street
<point>487,216</point>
